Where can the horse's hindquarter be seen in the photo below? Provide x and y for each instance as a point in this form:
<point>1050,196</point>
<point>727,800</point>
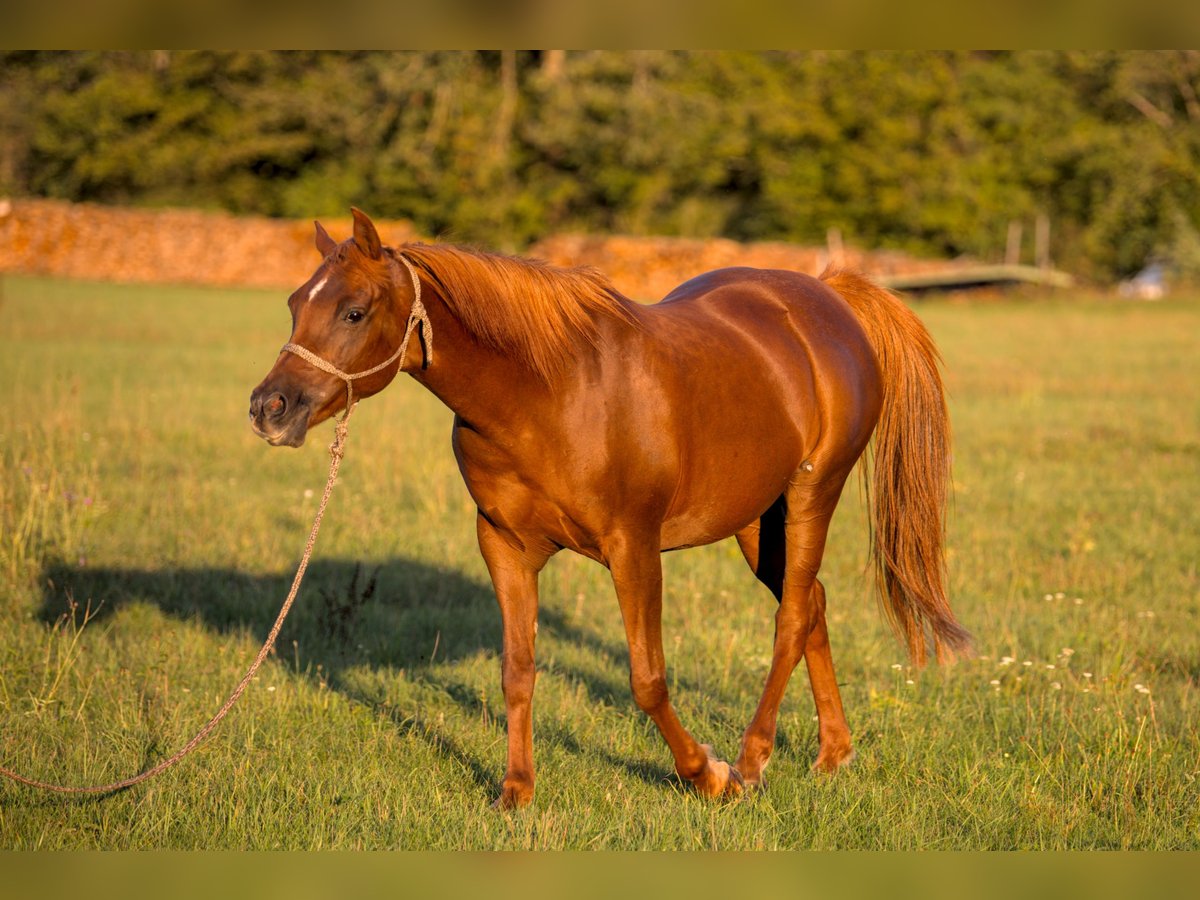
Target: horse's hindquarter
<point>764,370</point>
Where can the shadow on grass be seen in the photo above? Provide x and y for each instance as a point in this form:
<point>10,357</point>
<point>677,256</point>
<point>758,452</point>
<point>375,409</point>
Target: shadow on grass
<point>400,614</point>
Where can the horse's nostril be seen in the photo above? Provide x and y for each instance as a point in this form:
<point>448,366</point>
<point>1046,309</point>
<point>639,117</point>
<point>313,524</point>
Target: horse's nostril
<point>275,405</point>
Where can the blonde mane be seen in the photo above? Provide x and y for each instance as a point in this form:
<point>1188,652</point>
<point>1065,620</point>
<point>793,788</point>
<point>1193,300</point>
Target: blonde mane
<point>529,309</point>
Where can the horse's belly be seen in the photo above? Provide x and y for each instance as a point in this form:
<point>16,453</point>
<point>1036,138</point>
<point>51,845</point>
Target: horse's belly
<point>731,485</point>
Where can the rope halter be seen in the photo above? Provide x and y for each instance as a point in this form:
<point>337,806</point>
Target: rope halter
<point>416,315</point>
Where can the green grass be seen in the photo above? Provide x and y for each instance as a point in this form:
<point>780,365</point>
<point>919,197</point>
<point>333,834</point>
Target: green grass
<point>133,492</point>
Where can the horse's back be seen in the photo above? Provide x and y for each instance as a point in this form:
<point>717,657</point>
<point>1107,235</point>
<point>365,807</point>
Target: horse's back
<point>772,316</point>
<point>748,294</point>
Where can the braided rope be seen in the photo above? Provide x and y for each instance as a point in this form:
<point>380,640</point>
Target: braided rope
<point>336,451</point>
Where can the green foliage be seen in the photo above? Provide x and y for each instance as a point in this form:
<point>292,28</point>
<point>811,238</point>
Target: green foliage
<point>933,152</point>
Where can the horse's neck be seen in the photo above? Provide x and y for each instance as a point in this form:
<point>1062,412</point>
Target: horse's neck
<point>480,384</point>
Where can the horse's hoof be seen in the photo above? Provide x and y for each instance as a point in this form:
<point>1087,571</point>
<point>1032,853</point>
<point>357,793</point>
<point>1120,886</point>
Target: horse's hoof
<point>736,786</point>
<point>513,796</point>
<point>753,768</point>
<point>719,778</point>
<point>829,761</point>
<point>755,784</point>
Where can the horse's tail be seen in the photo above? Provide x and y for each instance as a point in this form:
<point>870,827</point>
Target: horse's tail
<point>907,472</point>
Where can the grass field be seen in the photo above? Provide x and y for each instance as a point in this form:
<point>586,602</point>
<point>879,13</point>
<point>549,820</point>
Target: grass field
<point>147,539</point>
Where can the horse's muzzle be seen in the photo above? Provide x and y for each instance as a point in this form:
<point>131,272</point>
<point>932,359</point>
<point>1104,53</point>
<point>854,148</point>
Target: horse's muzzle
<point>278,420</point>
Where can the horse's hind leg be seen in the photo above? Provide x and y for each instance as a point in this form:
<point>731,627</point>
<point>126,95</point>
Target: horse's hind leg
<point>785,552</point>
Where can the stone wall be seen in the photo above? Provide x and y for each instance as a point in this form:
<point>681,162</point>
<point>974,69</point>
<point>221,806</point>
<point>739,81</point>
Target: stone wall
<point>80,240</point>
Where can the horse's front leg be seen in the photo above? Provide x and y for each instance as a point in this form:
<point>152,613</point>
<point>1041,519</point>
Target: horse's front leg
<point>636,568</point>
<point>514,576</point>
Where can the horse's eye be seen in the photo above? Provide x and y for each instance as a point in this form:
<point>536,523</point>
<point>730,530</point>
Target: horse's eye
<point>355,315</point>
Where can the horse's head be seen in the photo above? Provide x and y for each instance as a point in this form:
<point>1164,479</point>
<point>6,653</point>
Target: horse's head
<point>350,313</point>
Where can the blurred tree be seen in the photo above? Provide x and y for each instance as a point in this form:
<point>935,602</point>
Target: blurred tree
<point>933,152</point>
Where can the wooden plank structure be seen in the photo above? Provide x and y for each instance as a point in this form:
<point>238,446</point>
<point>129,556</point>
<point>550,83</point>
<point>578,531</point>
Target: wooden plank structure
<point>966,277</point>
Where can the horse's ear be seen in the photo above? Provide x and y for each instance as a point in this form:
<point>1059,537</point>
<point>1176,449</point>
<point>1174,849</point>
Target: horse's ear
<point>325,243</point>
<point>365,234</point>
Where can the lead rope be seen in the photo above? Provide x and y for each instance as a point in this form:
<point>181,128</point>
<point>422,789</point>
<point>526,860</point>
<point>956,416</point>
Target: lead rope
<point>336,451</point>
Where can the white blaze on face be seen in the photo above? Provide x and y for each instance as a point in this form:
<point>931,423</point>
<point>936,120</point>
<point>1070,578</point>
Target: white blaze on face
<point>317,288</point>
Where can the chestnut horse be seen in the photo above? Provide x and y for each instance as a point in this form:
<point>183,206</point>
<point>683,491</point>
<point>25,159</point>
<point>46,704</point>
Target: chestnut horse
<point>736,406</point>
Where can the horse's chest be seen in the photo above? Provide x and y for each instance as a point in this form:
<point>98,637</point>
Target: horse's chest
<point>520,487</point>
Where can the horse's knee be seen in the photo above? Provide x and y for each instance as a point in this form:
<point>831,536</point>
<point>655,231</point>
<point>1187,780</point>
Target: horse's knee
<point>516,679</point>
<point>649,691</point>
